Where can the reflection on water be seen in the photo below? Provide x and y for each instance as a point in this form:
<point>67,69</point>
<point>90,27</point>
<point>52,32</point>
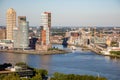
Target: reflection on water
<point>45,61</point>
<point>13,58</point>
<point>77,62</point>
<point>114,59</point>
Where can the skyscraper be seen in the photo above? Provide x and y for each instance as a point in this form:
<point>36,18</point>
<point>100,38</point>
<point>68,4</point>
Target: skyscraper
<point>46,19</point>
<point>21,19</point>
<point>23,34</point>
<point>21,40</point>
<point>46,24</point>
<point>11,22</point>
<point>44,43</point>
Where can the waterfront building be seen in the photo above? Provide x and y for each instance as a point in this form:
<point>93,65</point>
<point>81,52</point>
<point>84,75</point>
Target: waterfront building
<point>43,37</point>
<point>2,33</point>
<point>46,25</point>
<point>32,42</point>
<point>16,38</point>
<point>6,44</point>
<point>21,40</point>
<point>74,38</point>
<point>44,41</point>
<point>11,22</point>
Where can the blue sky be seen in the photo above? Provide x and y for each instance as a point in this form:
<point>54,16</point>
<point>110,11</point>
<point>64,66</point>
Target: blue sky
<point>65,12</point>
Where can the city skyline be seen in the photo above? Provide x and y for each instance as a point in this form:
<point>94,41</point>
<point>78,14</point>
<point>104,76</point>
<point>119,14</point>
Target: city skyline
<point>66,13</point>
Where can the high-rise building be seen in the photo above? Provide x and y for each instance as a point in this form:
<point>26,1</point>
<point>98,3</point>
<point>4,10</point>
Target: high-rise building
<point>42,36</point>
<point>21,40</point>
<point>44,42</point>
<point>46,19</point>
<point>11,22</point>
<point>46,24</point>
<point>15,38</point>
<point>23,34</point>
<point>21,19</point>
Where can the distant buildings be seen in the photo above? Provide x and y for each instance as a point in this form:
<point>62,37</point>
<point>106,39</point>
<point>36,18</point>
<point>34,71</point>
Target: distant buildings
<point>74,37</point>
<point>57,39</point>
<point>44,42</point>
<point>21,40</point>
<point>78,37</point>
<point>11,22</point>
<point>6,44</point>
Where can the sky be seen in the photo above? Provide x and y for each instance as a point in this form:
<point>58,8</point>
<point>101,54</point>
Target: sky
<point>65,12</point>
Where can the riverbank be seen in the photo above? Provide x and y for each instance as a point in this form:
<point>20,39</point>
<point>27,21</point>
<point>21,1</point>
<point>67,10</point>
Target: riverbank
<point>50,52</point>
<point>99,52</point>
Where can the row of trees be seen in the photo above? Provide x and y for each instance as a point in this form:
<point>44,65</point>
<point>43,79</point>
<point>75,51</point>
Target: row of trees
<point>40,75</point>
<point>115,52</point>
<point>114,44</point>
<point>61,76</point>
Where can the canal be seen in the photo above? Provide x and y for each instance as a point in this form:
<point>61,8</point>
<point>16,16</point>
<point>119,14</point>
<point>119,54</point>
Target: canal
<point>76,62</point>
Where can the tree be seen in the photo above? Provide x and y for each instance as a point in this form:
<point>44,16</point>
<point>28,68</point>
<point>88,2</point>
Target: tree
<point>22,64</point>
<point>25,79</point>
<point>36,77</point>
<point>60,76</point>
<point>114,44</point>
<point>2,76</point>
<point>42,72</point>
<point>12,76</point>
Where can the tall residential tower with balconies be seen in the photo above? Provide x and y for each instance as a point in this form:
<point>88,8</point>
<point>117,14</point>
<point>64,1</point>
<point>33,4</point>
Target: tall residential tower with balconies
<point>44,41</point>
<point>46,25</point>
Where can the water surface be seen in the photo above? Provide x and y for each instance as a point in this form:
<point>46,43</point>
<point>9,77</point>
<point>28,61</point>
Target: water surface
<point>77,62</point>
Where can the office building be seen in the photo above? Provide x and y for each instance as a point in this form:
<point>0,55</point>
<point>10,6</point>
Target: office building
<point>11,22</point>
<point>6,44</point>
<point>46,25</point>
<point>21,40</point>
<point>46,19</point>
<point>21,19</point>
<point>44,42</point>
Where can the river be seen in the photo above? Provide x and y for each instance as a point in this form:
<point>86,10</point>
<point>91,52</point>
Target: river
<point>76,62</point>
